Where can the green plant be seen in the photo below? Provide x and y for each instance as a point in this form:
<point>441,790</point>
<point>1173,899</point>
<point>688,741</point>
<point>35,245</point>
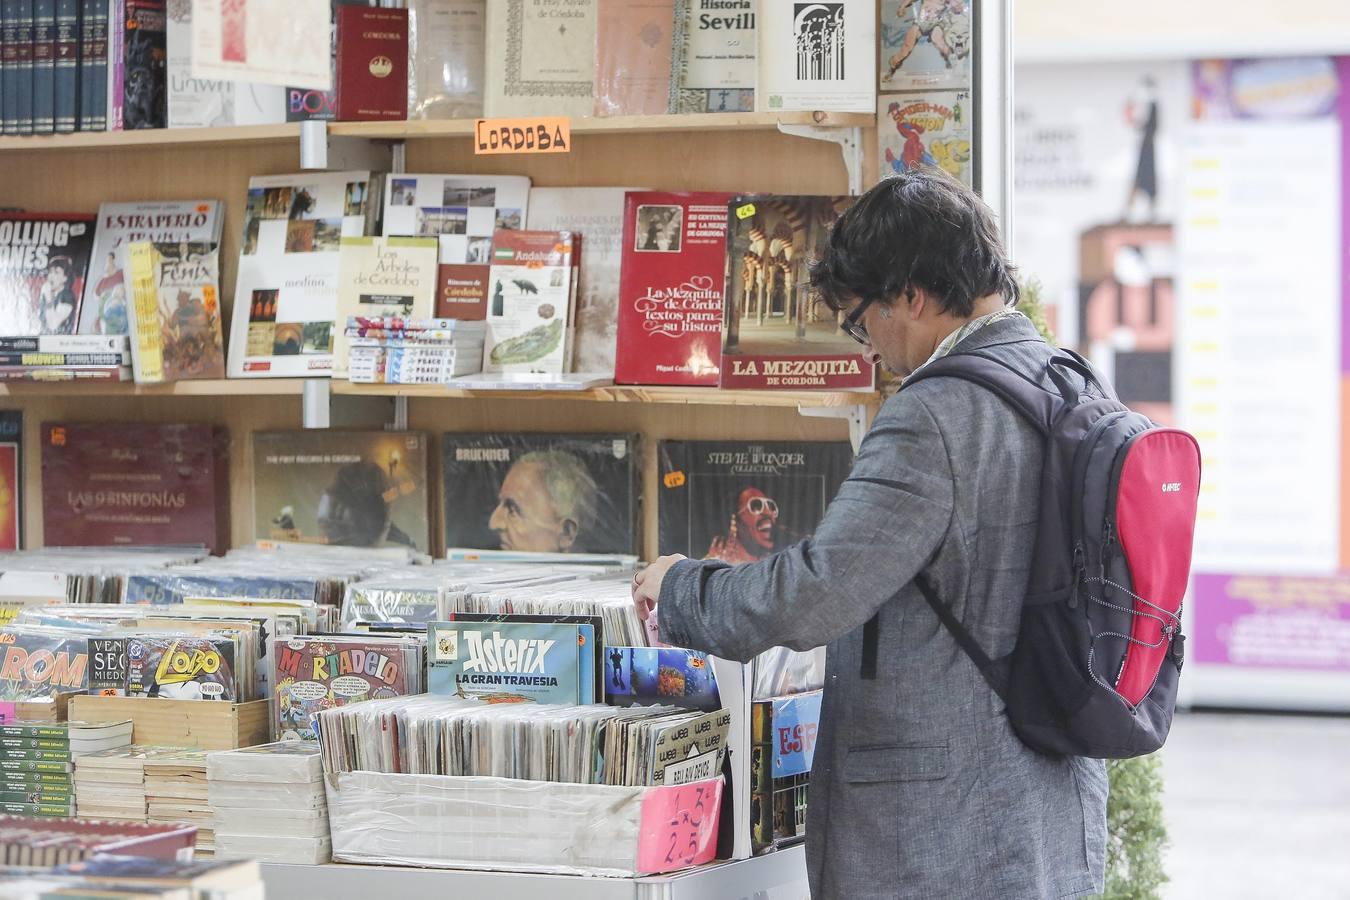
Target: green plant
<point>1135,831</point>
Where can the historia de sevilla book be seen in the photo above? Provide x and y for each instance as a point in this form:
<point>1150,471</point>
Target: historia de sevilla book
<point>137,485</point>
<point>175,304</point>
<point>670,289</point>
<point>533,283</point>
<point>44,259</point>
<point>354,488</point>
<point>739,501</point>
<point>712,63</point>
<point>104,307</point>
<point>462,212</point>
<point>775,334</point>
<point>286,286</point>
<point>383,277</point>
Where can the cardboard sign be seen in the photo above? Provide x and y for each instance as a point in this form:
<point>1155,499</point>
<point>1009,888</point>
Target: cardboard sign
<point>679,826</point>
<point>535,134</point>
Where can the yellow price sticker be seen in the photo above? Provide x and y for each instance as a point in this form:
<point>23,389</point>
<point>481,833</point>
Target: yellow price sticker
<point>745,211</point>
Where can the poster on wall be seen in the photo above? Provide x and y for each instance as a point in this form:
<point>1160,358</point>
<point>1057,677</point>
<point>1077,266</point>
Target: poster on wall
<point>1095,200</point>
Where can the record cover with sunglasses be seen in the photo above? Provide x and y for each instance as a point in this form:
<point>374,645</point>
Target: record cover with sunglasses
<point>740,501</point>
<point>774,333</point>
<point>555,493</point>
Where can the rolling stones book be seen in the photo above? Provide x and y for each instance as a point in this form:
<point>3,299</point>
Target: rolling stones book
<point>741,501</point>
<point>462,212</point>
<point>286,288</point>
<point>931,129</point>
<point>382,277</point>
<point>533,282</point>
<point>540,59</point>
<point>44,260</point>
<point>713,59</point>
<point>925,45</point>
<point>554,493</point>
<point>595,216</point>
<point>175,311</point>
<point>507,662</point>
<point>817,56</point>
<point>775,334</point>
<point>135,485</point>
<point>104,307</point>
<point>353,488</point>
<point>316,673</point>
<point>11,479</point>
<point>670,289</point>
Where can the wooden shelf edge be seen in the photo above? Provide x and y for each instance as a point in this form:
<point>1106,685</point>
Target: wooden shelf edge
<point>419,129</point>
<point>153,137</point>
<point>294,387</point>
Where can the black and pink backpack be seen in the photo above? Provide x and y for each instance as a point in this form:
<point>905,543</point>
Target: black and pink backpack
<point>1099,651</point>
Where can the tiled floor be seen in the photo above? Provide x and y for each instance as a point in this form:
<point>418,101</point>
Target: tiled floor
<point>1258,807</point>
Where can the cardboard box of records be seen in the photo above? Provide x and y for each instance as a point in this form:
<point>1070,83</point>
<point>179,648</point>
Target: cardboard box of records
<point>48,709</point>
<point>206,725</point>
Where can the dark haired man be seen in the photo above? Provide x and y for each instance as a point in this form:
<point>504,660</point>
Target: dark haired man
<point>920,788</point>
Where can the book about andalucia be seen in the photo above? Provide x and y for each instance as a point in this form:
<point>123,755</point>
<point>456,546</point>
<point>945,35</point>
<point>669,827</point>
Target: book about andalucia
<point>532,285</point>
<point>775,335</point>
<point>175,311</point>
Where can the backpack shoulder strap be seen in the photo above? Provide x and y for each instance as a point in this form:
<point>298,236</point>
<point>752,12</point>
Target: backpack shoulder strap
<point>988,668</point>
<point>1039,405</point>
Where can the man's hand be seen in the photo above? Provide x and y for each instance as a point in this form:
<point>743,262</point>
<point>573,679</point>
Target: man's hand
<point>647,585</point>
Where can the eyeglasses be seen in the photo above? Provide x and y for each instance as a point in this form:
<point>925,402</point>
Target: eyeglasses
<point>757,506</point>
<point>852,324</point>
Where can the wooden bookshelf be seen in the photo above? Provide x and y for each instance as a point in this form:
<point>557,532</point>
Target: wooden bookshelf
<point>420,129</point>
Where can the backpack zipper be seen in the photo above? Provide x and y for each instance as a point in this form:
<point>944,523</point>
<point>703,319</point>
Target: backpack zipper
<point>1081,457</point>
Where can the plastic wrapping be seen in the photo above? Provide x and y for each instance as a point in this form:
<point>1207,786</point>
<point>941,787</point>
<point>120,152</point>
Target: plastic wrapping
<point>526,826</point>
<point>310,851</point>
<point>632,57</point>
<point>780,671</point>
<point>283,761</point>
<point>446,58</point>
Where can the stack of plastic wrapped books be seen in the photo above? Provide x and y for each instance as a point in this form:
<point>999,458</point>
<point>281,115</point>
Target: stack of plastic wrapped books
<point>269,803</point>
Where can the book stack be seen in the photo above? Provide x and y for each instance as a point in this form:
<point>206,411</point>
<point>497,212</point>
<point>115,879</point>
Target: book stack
<point>111,784</point>
<point>176,791</point>
<point>269,803</point>
<point>390,350</point>
<point>36,763</point>
<point>65,357</point>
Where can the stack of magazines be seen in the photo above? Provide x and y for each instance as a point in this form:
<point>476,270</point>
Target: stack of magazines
<point>65,357</point>
<point>391,350</point>
<point>269,803</point>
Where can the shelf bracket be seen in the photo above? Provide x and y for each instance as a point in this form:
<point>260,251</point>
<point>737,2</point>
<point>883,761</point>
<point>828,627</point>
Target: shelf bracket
<point>850,145</point>
<point>316,403</point>
<point>856,414</point>
<point>320,150</point>
<point>400,422</point>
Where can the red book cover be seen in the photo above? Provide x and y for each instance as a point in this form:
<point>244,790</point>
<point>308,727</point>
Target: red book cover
<point>670,288</point>
<point>140,485</point>
<point>372,63</point>
<point>775,334</point>
<point>462,291</point>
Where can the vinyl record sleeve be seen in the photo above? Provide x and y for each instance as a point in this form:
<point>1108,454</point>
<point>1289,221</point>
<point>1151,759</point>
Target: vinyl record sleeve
<point>541,492</point>
<point>740,501</point>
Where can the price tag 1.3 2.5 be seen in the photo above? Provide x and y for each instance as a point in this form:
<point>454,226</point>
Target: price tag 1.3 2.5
<point>679,826</point>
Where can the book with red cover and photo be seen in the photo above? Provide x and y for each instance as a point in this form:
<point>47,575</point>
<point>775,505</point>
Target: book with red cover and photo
<point>775,335</point>
<point>44,259</point>
<point>135,485</point>
<point>670,288</point>
<point>372,64</point>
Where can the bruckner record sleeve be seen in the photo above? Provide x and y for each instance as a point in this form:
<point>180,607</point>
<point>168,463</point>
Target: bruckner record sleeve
<point>552,493</point>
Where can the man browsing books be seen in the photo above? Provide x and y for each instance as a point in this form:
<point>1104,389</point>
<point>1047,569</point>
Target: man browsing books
<point>920,787</point>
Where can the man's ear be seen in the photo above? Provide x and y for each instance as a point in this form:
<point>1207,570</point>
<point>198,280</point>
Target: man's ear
<point>568,535</point>
<point>915,303</point>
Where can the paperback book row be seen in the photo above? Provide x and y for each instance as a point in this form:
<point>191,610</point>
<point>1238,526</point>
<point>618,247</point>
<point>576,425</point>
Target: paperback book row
<point>37,762</point>
<point>94,65</point>
<point>143,485</point>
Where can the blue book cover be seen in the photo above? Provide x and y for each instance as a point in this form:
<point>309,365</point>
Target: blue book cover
<point>643,676</point>
<point>93,80</point>
<point>44,66</point>
<point>506,662</point>
<point>66,65</point>
<point>23,66</point>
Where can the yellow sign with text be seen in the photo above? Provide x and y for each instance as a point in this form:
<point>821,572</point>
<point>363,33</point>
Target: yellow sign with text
<point>536,134</point>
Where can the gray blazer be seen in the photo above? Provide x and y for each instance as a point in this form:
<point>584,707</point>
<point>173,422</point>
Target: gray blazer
<point>920,788</point>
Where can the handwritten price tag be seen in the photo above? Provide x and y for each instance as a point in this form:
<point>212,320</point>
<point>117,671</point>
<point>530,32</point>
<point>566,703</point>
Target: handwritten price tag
<point>536,134</point>
<point>679,826</point>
